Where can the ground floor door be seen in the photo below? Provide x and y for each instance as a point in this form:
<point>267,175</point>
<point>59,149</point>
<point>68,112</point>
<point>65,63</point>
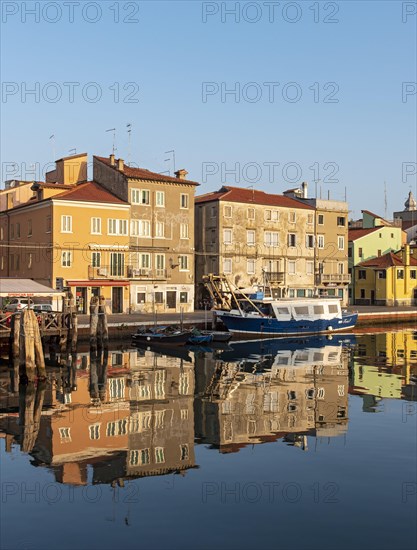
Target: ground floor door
<point>81,299</point>
<point>171,299</point>
<point>372,297</point>
<point>95,291</point>
<point>117,299</point>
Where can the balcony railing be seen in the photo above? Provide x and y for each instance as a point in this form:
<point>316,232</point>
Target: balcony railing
<point>107,272</point>
<point>335,278</point>
<point>275,276</point>
<point>146,273</point>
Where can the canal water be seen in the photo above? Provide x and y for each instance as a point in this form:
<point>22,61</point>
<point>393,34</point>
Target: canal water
<point>303,443</point>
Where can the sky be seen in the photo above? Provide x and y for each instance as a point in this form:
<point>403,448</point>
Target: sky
<point>262,94</point>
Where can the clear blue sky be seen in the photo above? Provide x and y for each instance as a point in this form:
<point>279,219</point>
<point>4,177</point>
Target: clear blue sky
<point>170,52</point>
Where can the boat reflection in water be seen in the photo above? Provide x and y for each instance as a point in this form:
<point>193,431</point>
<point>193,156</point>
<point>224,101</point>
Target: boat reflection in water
<point>287,389</point>
<point>133,413</point>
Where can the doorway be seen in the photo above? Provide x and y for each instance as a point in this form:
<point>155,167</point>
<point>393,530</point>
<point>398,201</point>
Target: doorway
<point>372,297</point>
<point>171,299</point>
<point>117,299</point>
<point>81,299</point>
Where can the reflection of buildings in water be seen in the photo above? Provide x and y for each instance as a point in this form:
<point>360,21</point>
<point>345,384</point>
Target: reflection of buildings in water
<point>388,369</point>
<point>287,395</point>
<point>139,423</point>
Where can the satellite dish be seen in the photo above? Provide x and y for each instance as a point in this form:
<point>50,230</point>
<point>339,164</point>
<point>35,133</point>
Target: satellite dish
<point>12,183</point>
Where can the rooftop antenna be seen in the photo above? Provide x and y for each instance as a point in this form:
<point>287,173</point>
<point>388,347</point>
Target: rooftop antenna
<point>385,200</point>
<point>52,140</point>
<point>129,132</point>
<point>114,149</point>
<point>173,156</point>
<point>73,151</point>
<point>253,192</point>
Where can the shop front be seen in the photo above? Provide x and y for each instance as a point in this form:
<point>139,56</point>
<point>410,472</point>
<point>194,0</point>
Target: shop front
<point>116,294</point>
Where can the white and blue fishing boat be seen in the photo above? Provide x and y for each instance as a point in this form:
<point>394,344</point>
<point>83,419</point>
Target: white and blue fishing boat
<point>286,317</point>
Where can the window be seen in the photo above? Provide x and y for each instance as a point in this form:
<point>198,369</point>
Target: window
<point>251,213</point>
<point>184,452</point>
<point>1,233</point>
<point>12,231</point>
<point>360,252</point>
<point>184,231</point>
<point>96,226</point>
<point>250,266</point>
<point>184,200</point>
<point>310,219</point>
<point>227,211</point>
<point>117,262</point>
<point>18,230</point>
<point>66,258</point>
<point>30,257</point>
<point>413,274</point>
<point>320,219</point>
<point>227,236</point>
<point>160,261</point>
<point>213,212</point>
<point>362,293</point>
<point>160,198</point>
<point>140,297</point>
<point>145,261</point>
<point>48,224</point>
<point>291,267</point>
<point>292,239</point>
<point>250,237</point>
<point>292,218</point>
<point>341,221</point>
<point>183,260</point>
<point>160,230</point>
<point>29,228</point>
<point>66,224</point>
<point>116,227</point>
<point>96,259</point>
<point>272,215</point>
<point>271,238</point>
<point>135,196</point>
<point>183,297</point>
<point>349,252</point>
<point>380,235</point>
<point>382,274</point>
<point>340,242</point>
<point>145,197</point>
<point>159,297</point>
<point>94,430</point>
<point>320,241</point>
<point>362,274</point>
<point>400,273</point>
<point>379,252</point>
<point>227,265</point>
<point>341,268</point>
<point>17,266</point>
<point>310,241</point>
<point>310,268</point>
<point>134,227</point>
<point>144,228</point>
<point>159,455</point>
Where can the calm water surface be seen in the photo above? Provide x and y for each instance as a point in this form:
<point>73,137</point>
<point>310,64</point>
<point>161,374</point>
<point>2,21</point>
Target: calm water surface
<point>296,444</point>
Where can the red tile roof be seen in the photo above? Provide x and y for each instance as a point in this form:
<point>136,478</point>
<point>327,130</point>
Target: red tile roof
<point>388,260</point>
<point>143,174</point>
<point>354,234</point>
<point>251,196</point>
<point>89,192</point>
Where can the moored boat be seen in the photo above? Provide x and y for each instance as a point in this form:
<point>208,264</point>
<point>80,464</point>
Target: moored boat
<point>162,336</point>
<point>284,317</point>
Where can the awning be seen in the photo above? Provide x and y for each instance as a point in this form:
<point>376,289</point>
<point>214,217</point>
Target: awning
<point>11,287</point>
<point>98,282</point>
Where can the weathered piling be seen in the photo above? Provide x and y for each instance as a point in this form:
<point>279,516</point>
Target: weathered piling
<point>27,338</point>
<point>93,322</point>
<point>14,351</point>
<point>102,329</point>
<point>39,357</point>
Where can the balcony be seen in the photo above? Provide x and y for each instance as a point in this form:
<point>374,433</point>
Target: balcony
<point>148,274</point>
<point>107,272</point>
<point>275,276</point>
<point>335,278</point>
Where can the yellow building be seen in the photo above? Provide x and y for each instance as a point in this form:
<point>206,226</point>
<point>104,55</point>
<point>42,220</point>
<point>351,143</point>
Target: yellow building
<point>389,280</point>
<point>74,236</point>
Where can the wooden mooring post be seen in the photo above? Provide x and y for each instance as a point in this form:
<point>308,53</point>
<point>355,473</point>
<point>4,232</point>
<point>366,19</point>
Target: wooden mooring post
<point>102,329</point>
<point>93,322</point>
<point>26,347</point>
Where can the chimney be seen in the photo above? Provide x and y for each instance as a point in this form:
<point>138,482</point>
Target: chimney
<point>120,164</point>
<point>304,190</point>
<point>181,174</point>
<point>111,160</point>
<point>406,255</point>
